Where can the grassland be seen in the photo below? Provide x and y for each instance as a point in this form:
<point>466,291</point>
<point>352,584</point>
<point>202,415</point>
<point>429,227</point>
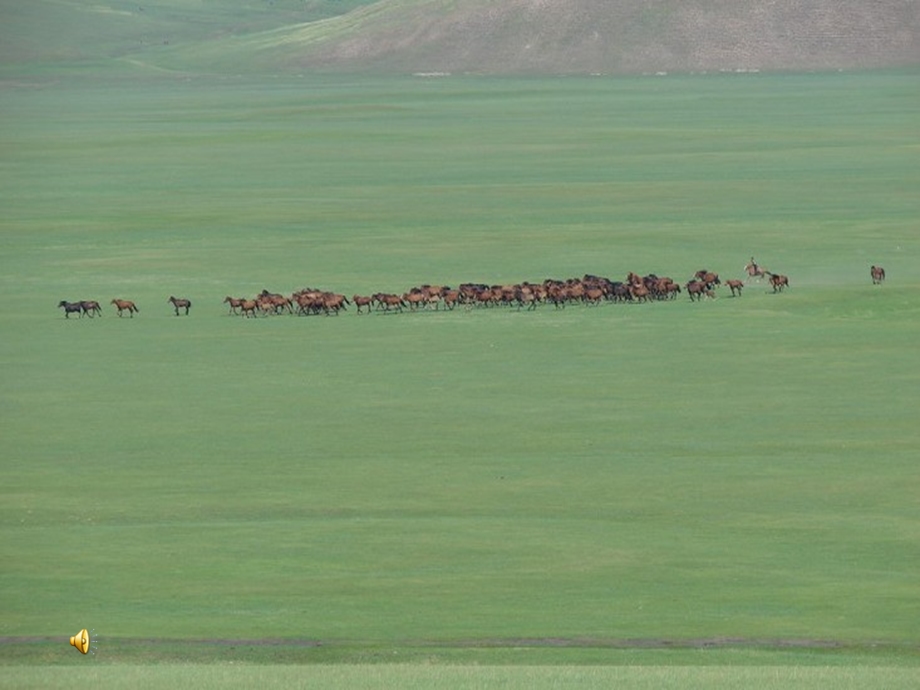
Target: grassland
<point>730,483</point>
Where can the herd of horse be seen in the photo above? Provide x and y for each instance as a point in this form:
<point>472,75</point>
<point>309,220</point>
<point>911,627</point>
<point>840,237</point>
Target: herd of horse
<point>589,289</point>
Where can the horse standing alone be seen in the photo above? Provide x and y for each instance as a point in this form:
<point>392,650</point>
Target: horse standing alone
<point>878,275</point>
<point>735,285</point>
<point>180,303</point>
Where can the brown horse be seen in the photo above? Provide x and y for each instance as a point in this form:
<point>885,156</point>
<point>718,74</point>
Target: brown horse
<point>525,296</point>
<point>708,277</point>
<point>71,308</point>
<point>362,301</point>
<point>450,297</point>
<point>125,305</point>
<point>273,303</point>
<point>234,303</point>
<point>697,289</point>
<point>414,299</point>
<point>180,303</point>
<point>333,303</point>
<point>91,307</point>
<point>878,275</point>
<point>593,296</point>
<point>248,307</point>
<point>777,281</point>
<point>735,285</point>
<point>387,301</point>
<point>640,293</point>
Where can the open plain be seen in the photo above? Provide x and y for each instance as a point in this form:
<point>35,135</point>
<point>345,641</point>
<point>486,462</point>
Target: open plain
<point>670,494</point>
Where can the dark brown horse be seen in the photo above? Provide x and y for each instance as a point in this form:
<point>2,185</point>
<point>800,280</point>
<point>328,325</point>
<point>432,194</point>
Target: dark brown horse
<point>735,285</point>
<point>708,277</point>
<point>180,303</point>
<point>71,308</point>
<point>697,289</point>
<point>525,296</point>
<point>125,305</point>
<point>878,275</point>
<point>91,307</point>
<point>777,281</point>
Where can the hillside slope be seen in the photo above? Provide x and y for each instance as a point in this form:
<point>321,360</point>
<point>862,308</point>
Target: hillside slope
<point>75,33</point>
<point>600,36</point>
<point>460,36</point>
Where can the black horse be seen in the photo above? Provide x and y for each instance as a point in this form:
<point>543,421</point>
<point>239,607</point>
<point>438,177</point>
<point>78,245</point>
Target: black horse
<point>71,308</point>
<point>180,303</point>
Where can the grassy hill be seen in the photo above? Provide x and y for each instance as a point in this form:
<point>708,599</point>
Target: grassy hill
<point>479,36</point>
<point>43,34</point>
<point>600,36</point>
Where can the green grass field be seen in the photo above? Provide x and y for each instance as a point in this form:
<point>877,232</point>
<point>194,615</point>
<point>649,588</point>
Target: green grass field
<point>666,495</point>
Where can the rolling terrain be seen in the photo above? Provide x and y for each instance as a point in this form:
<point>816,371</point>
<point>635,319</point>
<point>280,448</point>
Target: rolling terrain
<point>465,36</point>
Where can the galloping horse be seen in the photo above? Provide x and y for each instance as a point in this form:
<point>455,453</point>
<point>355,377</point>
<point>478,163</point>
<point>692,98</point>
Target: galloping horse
<point>735,286</point>
<point>878,275</point>
<point>180,303</point>
<point>334,302</point>
<point>274,303</point>
<point>362,301</point>
<point>697,289</point>
<point>777,281</point>
<point>709,278</point>
<point>91,307</point>
<point>389,301</point>
<point>125,304</point>
<point>451,297</point>
<point>248,307</point>
<point>755,271</point>
<point>71,307</point>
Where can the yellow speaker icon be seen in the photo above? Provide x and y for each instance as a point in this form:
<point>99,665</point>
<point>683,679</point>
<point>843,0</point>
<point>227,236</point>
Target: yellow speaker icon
<point>81,641</point>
